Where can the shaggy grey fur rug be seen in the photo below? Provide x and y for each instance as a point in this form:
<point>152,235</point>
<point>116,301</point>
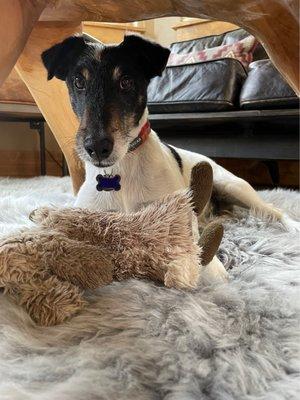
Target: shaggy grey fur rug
<point>141,341</point>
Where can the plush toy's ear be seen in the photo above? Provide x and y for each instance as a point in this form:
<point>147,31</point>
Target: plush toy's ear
<point>210,241</point>
<point>201,185</point>
<point>152,56</point>
<point>59,58</point>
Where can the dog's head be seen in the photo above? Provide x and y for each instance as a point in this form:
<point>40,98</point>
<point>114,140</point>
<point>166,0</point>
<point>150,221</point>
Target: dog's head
<point>108,90</point>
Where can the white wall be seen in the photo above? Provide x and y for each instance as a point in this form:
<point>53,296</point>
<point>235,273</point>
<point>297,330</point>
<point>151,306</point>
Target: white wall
<point>163,32</point>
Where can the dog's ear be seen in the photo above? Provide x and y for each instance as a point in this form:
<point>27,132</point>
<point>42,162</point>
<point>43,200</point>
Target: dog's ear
<point>60,57</point>
<point>152,56</point>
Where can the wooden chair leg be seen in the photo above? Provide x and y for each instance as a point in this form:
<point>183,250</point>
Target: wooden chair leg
<point>52,96</point>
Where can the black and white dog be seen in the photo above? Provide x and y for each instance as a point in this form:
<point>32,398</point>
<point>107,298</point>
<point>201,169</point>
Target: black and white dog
<point>108,92</point>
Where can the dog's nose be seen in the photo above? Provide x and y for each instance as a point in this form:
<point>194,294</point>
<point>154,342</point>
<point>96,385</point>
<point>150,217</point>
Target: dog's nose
<point>105,148</point>
<point>100,149</point>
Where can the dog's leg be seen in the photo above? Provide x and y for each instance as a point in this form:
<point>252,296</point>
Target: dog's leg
<point>237,191</point>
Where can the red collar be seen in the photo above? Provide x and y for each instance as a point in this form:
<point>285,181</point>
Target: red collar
<point>141,138</point>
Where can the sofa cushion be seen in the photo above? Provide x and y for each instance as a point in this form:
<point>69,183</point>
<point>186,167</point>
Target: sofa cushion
<point>241,50</point>
<point>208,42</point>
<point>265,88</point>
<point>206,86</point>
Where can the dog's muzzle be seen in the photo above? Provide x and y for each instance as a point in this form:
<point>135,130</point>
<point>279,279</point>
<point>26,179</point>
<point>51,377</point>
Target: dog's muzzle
<point>99,149</point>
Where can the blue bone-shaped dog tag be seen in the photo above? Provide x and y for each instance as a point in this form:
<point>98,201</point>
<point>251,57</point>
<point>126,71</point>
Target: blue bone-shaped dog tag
<point>108,183</point>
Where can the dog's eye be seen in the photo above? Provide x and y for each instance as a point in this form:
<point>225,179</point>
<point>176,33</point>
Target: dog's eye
<point>126,82</point>
<point>79,82</point>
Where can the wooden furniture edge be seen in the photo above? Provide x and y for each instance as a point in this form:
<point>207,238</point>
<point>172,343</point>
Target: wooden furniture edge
<point>112,25</point>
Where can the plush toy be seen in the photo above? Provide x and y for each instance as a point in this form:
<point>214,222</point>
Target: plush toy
<point>46,268</point>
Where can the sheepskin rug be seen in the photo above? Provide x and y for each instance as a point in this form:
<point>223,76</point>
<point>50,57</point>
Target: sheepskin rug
<point>138,340</point>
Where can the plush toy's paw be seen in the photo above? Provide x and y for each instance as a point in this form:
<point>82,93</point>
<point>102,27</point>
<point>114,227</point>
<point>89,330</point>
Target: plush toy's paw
<point>49,302</point>
<point>213,272</point>
<point>17,259</point>
<point>39,214</point>
<point>182,273</point>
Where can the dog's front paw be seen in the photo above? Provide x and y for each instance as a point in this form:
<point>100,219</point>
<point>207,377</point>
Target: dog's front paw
<point>39,214</point>
<point>290,225</point>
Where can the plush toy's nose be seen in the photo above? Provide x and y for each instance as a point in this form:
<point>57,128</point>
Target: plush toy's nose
<point>99,149</point>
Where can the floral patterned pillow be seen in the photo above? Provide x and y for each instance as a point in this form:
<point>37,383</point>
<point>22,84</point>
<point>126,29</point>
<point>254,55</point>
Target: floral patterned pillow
<point>241,50</point>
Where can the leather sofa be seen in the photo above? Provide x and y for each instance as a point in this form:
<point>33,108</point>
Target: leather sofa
<point>219,84</point>
<point>223,108</point>
<point>264,88</point>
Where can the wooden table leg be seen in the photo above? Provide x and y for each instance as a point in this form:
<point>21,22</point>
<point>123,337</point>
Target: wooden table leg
<point>274,22</point>
<point>277,28</point>
<point>18,17</point>
<point>51,96</point>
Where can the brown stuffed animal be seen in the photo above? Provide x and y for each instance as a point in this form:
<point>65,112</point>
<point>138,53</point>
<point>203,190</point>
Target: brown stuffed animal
<point>46,269</point>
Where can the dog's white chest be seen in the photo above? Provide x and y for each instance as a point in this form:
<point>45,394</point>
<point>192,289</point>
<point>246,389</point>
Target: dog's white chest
<point>144,178</point>
<point>135,191</point>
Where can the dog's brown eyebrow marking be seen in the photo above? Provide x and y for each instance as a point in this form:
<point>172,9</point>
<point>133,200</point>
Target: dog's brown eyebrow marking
<point>83,121</point>
<point>98,52</point>
<point>85,73</point>
<point>117,73</point>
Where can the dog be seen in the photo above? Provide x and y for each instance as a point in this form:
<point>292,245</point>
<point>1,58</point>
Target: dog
<point>108,85</point>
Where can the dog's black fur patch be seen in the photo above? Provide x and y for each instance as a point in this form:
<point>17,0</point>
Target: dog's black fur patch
<point>151,56</point>
<point>58,59</point>
<point>176,156</point>
<point>107,112</point>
